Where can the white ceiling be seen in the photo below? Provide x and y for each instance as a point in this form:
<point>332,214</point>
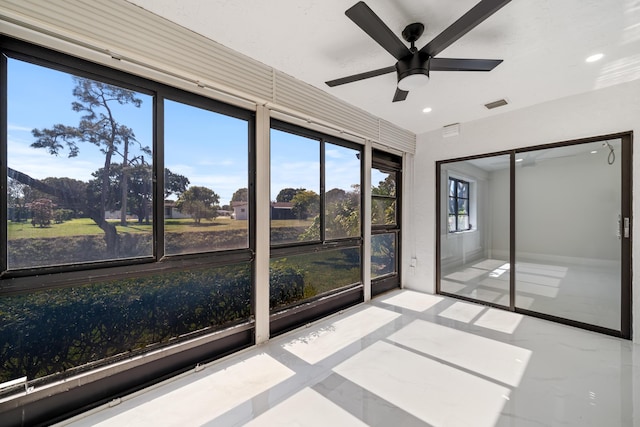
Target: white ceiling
<point>543,43</point>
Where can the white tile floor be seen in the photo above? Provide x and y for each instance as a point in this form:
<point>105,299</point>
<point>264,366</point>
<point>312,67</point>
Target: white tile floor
<point>584,292</point>
<point>405,359</point>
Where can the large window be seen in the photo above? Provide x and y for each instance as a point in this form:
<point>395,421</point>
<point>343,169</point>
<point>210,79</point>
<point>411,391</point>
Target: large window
<point>206,196</point>
<point>458,205</point>
<point>80,159</point>
<point>295,188</point>
<point>315,215</point>
<point>122,220</point>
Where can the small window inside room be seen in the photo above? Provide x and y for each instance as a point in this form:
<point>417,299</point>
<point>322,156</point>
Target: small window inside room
<point>459,205</point>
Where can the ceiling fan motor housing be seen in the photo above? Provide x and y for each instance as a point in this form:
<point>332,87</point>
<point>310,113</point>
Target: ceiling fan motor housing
<point>416,63</point>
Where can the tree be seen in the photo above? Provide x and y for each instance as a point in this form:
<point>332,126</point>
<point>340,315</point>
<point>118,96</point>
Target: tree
<point>287,194</point>
<point>199,202</point>
<point>99,127</point>
<point>139,188</point>
<point>174,183</point>
<point>42,212</point>
<point>334,195</point>
<point>18,195</point>
<point>384,213</point>
<point>306,203</point>
<point>386,187</point>
<point>241,195</point>
<point>69,186</point>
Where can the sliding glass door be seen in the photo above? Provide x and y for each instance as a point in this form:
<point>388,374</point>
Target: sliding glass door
<point>568,232</point>
<point>544,231</point>
<point>474,229</point>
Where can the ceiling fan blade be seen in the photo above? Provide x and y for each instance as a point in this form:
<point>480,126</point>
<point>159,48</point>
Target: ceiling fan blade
<point>371,24</point>
<point>463,25</point>
<point>457,64</point>
<point>361,76</point>
<point>400,95</point>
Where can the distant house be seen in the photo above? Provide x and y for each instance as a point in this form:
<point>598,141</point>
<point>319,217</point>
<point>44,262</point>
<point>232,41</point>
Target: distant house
<point>170,211</point>
<point>282,210</point>
<point>240,210</point>
<point>116,215</point>
<point>279,210</point>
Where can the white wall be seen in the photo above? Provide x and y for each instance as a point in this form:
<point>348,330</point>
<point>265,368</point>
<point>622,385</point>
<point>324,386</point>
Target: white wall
<point>609,110</point>
<point>583,231</point>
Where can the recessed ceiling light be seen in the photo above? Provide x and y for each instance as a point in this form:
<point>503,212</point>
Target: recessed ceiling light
<point>519,160</point>
<point>426,110</point>
<point>594,152</point>
<point>595,57</point>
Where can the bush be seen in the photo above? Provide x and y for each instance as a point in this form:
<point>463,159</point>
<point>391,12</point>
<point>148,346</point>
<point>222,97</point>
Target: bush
<point>46,332</point>
<point>286,284</point>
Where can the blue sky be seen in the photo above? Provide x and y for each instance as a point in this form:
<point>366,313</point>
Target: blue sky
<point>208,148</point>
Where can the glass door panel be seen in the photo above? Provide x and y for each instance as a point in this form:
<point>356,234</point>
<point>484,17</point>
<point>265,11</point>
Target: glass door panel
<point>474,229</point>
<point>568,250</point>
<point>386,178</point>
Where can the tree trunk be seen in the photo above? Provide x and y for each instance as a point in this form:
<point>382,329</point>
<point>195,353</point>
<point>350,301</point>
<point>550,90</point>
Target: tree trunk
<point>111,237</point>
<point>124,184</point>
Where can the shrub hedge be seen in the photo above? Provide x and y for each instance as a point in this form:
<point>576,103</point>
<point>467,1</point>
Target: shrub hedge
<point>48,332</point>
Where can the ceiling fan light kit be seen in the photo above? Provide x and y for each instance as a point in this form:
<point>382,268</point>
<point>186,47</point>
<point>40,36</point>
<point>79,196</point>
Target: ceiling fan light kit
<point>413,71</point>
<point>413,65</point>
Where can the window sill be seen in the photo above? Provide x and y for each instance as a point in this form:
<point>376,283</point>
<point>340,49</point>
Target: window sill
<point>456,233</point>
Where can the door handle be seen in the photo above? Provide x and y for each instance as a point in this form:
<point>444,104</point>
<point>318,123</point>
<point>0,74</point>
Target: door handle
<point>626,227</point>
<point>619,228</point>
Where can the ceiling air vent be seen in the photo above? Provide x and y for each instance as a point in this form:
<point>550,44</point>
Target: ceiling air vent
<point>496,104</point>
<point>451,130</point>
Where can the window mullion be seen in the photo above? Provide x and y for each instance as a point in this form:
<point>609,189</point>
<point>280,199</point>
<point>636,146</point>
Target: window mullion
<point>323,227</point>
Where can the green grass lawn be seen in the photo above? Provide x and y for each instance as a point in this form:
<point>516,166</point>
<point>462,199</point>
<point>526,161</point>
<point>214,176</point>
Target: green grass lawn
<point>324,271</point>
<point>86,227</point>
<point>286,223</point>
<point>75,227</point>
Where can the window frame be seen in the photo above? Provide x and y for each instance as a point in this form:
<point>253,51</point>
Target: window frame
<point>289,248</point>
<point>389,163</point>
<point>57,276</point>
<point>283,319</point>
<point>456,198</point>
<point>391,171</point>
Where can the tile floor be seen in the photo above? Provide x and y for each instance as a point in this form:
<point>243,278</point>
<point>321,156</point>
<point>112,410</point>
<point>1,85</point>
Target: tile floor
<point>405,359</point>
<point>584,292</point>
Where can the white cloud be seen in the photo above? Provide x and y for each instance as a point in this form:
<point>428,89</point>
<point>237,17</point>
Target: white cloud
<point>334,154</point>
<point>18,128</point>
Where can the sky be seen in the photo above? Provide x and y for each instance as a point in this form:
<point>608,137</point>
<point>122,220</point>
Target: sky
<point>210,149</point>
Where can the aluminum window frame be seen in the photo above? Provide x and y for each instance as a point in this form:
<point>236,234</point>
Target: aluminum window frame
<point>457,198</point>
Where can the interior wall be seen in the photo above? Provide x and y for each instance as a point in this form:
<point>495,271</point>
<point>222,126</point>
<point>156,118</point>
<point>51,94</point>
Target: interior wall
<point>583,231</point>
<point>609,110</point>
<point>499,221</point>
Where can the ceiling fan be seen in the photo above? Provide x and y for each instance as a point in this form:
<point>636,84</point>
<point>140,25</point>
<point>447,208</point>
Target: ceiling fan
<point>413,65</point>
